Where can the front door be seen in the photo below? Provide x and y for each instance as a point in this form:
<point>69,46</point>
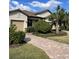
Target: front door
<point>29,23</point>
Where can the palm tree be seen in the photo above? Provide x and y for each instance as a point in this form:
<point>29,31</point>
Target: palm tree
<point>61,17</point>
<point>57,18</point>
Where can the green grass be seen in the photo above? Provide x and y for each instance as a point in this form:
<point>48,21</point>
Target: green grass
<point>27,51</point>
<point>62,37</point>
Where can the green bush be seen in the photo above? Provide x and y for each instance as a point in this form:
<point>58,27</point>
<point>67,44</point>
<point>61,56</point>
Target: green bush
<point>62,27</point>
<point>12,31</point>
<point>41,26</point>
<point>29,29</point>
<point>15,37</point>
<point>19,36</point>
<point>67,27</point>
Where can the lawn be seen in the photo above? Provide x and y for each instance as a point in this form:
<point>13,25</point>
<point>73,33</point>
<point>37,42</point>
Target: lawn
<point>62,37</point>
<point>27,51</point>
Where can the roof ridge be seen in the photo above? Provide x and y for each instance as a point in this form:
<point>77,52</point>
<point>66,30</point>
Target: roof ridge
<point>43,11</point>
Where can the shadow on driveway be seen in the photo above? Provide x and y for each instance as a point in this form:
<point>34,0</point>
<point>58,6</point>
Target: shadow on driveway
<point>27,39</point>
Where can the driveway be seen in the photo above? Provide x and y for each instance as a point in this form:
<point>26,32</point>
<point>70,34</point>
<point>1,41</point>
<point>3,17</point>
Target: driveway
<point>53,49</point>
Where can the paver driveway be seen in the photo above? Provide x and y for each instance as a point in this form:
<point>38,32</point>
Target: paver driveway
<point>53,49</point>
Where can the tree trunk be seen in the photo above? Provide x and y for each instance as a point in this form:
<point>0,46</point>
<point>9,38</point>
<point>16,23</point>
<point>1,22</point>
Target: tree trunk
<point>57,28</point>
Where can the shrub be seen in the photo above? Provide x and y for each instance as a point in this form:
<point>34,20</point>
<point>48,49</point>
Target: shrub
<point>41,26</point>
<point>62,27</point>
<point>19,37</point>
<point>12,31</point>
<point>67,27</point>
<point>29,29</point>
<point>15,37</point>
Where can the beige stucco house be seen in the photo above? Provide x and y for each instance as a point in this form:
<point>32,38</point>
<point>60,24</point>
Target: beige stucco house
<point>22,18</point>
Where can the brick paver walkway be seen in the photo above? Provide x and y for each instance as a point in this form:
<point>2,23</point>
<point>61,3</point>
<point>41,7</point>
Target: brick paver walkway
<point>53,49</point>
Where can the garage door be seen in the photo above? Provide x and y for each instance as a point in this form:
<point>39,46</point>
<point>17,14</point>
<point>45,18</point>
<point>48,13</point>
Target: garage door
<point>19,24</point>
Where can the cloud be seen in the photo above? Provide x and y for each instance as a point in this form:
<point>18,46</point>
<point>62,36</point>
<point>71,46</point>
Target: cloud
<point>24,7</point>
<point>50,3</point>
<point>16,5</point>
<point>39,4</point>
<point>11,7</point>
<point>15,2</point>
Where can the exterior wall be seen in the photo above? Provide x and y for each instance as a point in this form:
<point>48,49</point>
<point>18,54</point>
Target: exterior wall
<point>47,20</point>
<point>19,24</point>
<point>54,27</point>
<point>44,14</point>
<point>18,16</point>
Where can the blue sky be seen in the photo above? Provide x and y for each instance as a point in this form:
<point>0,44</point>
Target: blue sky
<point>38,5</point>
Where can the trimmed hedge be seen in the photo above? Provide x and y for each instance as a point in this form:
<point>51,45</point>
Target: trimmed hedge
<point>41,26</point>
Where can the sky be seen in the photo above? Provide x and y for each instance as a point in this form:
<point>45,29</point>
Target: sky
<point>38,5</point>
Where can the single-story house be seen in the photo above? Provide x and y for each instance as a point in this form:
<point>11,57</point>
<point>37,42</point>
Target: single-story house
<point>23,18</point>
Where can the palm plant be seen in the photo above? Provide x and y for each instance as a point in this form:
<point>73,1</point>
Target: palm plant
<point>60,17</point>
<point>55,17</point>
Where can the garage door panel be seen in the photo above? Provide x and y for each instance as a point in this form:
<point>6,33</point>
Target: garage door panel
<point>19,24</point>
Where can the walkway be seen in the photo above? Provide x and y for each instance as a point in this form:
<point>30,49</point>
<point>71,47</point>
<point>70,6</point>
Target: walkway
<point>53,49</point>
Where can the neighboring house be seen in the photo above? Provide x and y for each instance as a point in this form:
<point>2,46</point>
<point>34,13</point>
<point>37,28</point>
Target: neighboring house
<point>22,18</point>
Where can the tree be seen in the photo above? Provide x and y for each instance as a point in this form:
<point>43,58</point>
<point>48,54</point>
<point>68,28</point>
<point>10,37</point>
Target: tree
<point>66,20</point>
<point>60,17</point>
<point>57,14</point>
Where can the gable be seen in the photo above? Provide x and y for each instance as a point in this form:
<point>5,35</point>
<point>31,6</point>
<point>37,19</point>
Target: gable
<point>44,14</point>
<point>17,16</point>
